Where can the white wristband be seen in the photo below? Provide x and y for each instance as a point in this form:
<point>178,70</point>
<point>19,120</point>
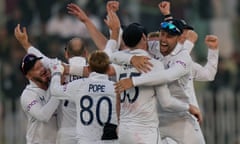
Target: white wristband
<point>76,70</point>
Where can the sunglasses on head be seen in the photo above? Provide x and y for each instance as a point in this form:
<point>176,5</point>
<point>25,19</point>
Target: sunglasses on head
<point>170,26</point>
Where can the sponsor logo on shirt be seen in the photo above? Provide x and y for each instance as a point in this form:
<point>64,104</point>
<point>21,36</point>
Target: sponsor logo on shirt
<point>181,63</point>
<point>31,105</point>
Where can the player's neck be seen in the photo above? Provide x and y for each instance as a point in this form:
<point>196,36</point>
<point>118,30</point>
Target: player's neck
<point>42,85</point>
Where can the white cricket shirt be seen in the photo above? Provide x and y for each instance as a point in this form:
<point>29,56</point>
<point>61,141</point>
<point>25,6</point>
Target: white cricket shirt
<point>95,101</point>
<point>39,108</point>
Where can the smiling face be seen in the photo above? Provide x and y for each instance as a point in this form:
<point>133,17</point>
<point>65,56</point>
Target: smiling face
<point>167,42</point>
<point>39,73</point>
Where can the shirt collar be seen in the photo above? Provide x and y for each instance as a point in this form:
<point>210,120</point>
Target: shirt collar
<point>95,75</point>
<point>140,52</point>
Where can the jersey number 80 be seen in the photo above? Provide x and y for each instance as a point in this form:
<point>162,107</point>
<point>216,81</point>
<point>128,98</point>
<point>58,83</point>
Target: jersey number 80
<point>88,109</point>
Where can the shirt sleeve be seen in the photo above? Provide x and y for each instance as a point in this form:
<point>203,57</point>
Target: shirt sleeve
<point>208,72</point>
<point>188,45</point>
<point>168,102</point>
<point>110,47</point>
<point>46,60</point>
<point>32,105</point>
<point>67,91</point>
<point>179,67</point>
<point>60,91</point>
<point>119,38</point>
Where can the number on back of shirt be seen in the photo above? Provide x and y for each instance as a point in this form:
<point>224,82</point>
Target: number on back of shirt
<point>88,114</point>
<point>131,94</point>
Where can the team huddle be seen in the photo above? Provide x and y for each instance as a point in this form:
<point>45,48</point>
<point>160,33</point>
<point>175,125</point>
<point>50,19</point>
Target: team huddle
<point>137,88</point>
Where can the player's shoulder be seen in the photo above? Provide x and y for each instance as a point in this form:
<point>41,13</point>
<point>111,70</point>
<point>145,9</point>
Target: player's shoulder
<point>28,95</point>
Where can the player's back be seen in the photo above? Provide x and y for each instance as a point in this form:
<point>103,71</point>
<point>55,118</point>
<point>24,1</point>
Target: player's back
<point>96,105</point>
<point>138,104</point>
<point>138,115</point>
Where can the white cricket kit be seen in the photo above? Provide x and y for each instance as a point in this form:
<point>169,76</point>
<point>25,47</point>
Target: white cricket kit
<point>66,114</point>
<point>95,101</point>
<point>138,116</point>
<point>39,108</point>
<point>176,74</point>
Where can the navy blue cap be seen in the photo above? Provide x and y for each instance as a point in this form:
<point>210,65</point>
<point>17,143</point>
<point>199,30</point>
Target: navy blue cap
<point>172,26</point>
<point>28,62</point>
<point>132,34</point>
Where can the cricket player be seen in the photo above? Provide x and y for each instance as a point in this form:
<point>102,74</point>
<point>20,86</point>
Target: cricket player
<point>95,101</point>
<point>181,127</point>
<point>75,53</point>
<point>138,114</point>
<point>37,102</point>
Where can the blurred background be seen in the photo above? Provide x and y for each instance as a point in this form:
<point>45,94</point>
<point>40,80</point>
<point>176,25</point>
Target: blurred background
<point>49,27</point>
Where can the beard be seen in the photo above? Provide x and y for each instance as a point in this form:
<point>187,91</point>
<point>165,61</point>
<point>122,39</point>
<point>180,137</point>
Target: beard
<point>44,81</point>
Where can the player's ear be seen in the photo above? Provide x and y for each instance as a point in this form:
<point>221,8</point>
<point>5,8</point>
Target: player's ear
<point>28,76</point>
<point>111,71</point>
<point>66,55</point>
<point>89,69</point>
<point>144,37</point>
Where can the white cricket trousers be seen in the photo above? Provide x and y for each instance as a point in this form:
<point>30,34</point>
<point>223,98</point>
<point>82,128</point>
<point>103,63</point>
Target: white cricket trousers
<point>99,142</point>
<point>66,136</point>
<point>139,135</point>
<point>183,131</point>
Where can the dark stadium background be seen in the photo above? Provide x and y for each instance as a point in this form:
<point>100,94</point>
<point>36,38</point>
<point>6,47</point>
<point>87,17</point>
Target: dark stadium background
<point>219,100</point>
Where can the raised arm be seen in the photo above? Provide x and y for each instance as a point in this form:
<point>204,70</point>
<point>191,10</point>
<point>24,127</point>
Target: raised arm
<point>99,39</point>
<point>113,23</point>
<point>208,72</point>
<point>22,37</point>
<point>164,8</point>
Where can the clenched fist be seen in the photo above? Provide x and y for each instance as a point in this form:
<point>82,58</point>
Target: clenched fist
<point>211,41</point>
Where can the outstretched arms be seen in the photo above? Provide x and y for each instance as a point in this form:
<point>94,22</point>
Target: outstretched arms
<point>99,39</point>
<point>22,37</point>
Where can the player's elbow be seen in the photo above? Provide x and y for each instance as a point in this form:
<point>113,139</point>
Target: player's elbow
<point>167,106</point>
<point>43,118</point>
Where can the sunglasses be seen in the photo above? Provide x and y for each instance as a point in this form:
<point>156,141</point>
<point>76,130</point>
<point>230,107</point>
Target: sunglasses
<point>171,27</point>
